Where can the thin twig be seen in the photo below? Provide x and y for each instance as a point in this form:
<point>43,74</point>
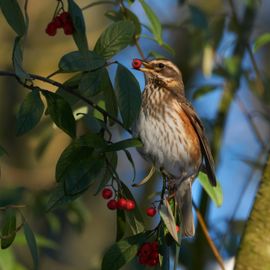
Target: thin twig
<point>208,238</point>
<point>66,89</point>
<point>250,120</point>
<point>250,53</point>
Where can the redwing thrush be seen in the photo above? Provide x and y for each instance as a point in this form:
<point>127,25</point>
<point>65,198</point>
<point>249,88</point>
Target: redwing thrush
<point>173,135</point>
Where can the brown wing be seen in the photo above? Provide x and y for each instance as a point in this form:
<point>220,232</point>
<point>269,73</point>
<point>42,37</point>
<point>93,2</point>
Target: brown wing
<point>206,151</point>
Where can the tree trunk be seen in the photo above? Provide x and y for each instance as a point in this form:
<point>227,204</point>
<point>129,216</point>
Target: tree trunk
<point>254,253</point>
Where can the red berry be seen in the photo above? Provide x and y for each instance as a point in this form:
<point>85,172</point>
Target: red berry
<point>65,17</point>
<point>68,28</point>
<point>151,211</point>
<point>136,63</point>
<point>58,22</point>
<point>51,29</point>
<point>112,204</point>
<point>121,203</point>
<point>107,193</point>
<point>177,229</point>
<point>145,249</point>
<point>155,246</point>
<point>130,205</point>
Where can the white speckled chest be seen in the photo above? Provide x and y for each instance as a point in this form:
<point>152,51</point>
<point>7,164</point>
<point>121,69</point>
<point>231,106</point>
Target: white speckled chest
<point>164,135</point>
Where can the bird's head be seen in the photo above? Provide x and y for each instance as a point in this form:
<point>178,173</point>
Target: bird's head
<point>161,72</point>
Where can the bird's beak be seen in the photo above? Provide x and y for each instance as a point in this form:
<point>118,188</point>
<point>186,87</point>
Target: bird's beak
<point>146,67</point>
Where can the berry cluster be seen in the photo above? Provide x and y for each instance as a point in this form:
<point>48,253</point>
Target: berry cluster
<point>121,203</point>
<point>136,63</point>
<point>63,20</point>
<point>148,254</point>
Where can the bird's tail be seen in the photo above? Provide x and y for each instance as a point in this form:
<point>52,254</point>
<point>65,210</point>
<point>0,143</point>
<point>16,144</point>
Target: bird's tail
<point>184,203</point>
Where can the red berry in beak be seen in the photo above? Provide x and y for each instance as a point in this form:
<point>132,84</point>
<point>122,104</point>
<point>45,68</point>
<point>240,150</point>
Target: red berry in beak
<point>136,63</point>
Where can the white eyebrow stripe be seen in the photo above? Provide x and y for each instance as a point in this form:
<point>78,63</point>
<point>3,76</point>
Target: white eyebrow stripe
<point>168,64</point>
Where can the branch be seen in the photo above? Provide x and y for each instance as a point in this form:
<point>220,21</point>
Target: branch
<point>208,238</point>
<point>66,89</point>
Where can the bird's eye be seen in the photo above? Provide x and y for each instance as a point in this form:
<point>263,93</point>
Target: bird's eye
<point>160,65</point>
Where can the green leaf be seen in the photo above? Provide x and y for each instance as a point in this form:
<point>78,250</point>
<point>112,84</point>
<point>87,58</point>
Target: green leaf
<point>120,224</point>
<point>58,197</point>
<point>115,38</point>
<point>123,145</point>
<point>8,232</point>
<point>75,61</point>
<point>17,59</point>
<point>79,35</point>
<point>83,171</point>
<point>93,83</point>
<point>205,89</point>
<point>14,16</point>
<point>70,154</point>
<point>133,218</point>
<point>129,15</point>
<point>198,17</point>
<point>122,252</point>
<point>61,113</point>
<point>109,94</point>
<point>130,159</point>
<point>168,219</point>
<point>155,24</point>
<point>128,95</point>
<point>112,159</point>
<point>215,193</point>
<point>2,151</point>
<point>30,112</point>
<point>32,244</point>
<point>261,41</point>
<point>92,123</point>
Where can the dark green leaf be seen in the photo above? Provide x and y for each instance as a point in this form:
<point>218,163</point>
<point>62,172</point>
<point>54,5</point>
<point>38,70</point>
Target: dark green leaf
<point>115,38</point>
<point>8,232</point>
<point>128,95</point>
<point>155,25</point>
<point>133,218</point>
<point>58,197</point>
<point>79,35</point>
<point>168,219</point>
<point>198,17</point>
<point>130,159</point>
<point>129,15</point>
<point>32,244</point>
<point>14,16</point>
<point>261,41</point>
<point>90,84</point>
<point>123,145</point>
<point>82,172</point>
<point>17,59</point>
<point>201,91</point>
<point>61,113</point>
<point>109,94</point>
<point>112,159</point>
<point>120,224</point>
<point>73,83</point>
<point>92,123</point>
<point>70,154</point>
<point>215,193</point>
<point>122,252</point>
<point>75,61</point>
<point>2,151</point>
<point>29,113</point>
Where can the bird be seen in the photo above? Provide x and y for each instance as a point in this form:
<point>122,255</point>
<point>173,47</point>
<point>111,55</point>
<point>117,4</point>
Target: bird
<point>172,134</point>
